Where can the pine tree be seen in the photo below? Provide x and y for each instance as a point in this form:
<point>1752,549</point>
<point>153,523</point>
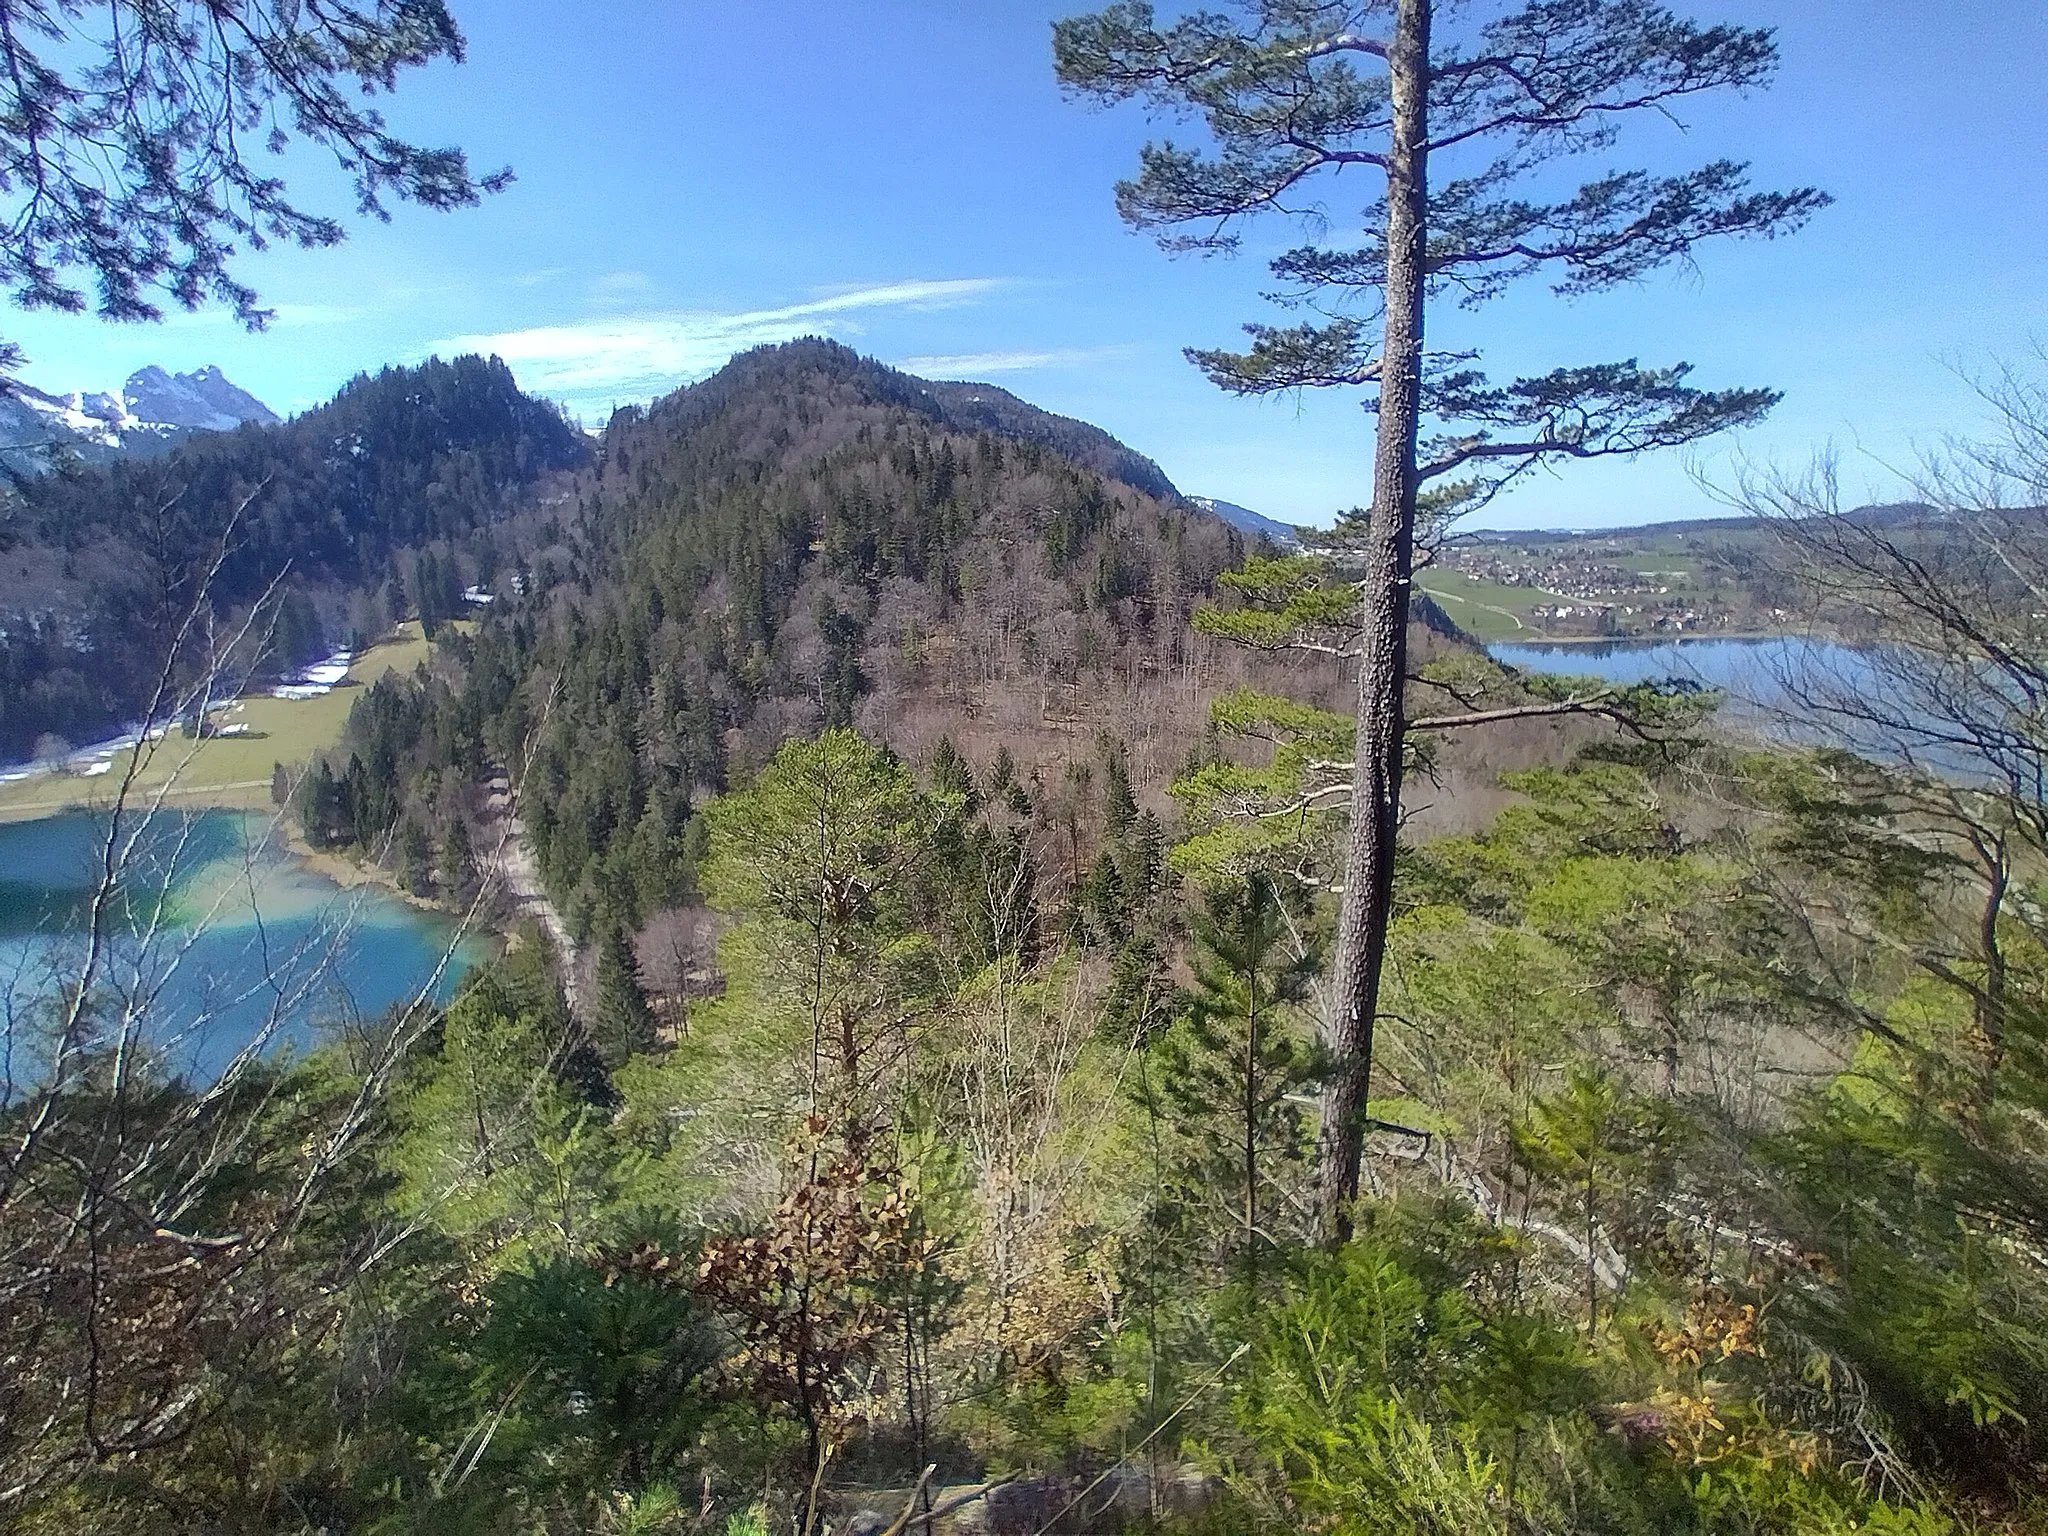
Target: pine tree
<point>1236,1069</point>
<point>1292,93</point>
<point>624,1024</point>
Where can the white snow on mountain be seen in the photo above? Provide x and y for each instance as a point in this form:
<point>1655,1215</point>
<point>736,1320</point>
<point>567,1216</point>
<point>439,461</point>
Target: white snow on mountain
<point>152,411</point>
<point>203,401</point>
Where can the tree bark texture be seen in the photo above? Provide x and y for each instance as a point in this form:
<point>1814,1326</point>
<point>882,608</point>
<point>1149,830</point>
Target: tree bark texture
<point>1383,613</point>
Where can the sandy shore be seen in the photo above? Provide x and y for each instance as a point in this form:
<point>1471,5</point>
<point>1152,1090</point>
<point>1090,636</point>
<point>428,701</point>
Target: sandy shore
<point>350,873</point>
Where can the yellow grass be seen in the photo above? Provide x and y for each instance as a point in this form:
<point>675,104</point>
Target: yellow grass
<point>232,772</point>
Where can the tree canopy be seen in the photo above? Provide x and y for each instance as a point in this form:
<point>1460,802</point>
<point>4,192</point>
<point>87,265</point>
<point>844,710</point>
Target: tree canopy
<point>141,144</point>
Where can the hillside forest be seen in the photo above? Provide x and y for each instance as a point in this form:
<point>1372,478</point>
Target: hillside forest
<point>974,993</point>
<point>918,1129</point>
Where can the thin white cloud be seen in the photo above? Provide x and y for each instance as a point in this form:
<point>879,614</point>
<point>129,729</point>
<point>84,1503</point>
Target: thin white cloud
<point>318,314</point>
<point>631,357</point>
<point>976,365</point>
<point>621,287</point>
<point>282,316</point>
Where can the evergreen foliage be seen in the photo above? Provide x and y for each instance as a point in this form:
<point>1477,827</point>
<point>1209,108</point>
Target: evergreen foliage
<point>899,1197</point>
<point>1460,114</point>
<point>1236,1074</point>
<point>624,1023</point>
<point>747,557</point>
<point>398,461</point>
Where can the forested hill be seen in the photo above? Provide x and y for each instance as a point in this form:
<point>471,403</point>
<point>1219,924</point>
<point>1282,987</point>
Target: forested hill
<point>804,539</point>
<point>96,566</point>
<point>963,407</point>
<point>985,408</point>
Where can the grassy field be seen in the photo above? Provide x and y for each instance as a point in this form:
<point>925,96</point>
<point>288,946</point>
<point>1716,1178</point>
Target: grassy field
<point>227,771</point>
<point>1485,610</point>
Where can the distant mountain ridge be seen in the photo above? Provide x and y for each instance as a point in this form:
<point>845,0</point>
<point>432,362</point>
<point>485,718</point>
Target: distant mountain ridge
<point>154,410</point>
<point>350,498</point>
<point>809,538</point>
<point>987,408</point>
<point>1245,520</point>
<point>202,401</point>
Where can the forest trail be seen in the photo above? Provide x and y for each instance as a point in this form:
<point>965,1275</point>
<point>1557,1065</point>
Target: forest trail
<point>512,861</point>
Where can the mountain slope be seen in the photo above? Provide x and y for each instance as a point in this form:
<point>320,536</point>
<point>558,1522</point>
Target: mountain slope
<point>97,566</point>
<point>204,401</point>
<point>985,408</point>
<point>807,539</point>
<point>154,410</point>
<point>1252,524</point>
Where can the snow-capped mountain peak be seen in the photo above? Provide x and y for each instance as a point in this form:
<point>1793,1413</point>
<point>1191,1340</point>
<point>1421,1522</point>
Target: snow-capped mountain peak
<point>201,401</point>
<point>152,411</point>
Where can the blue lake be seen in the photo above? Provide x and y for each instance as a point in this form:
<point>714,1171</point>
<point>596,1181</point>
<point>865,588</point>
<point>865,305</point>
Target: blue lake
<point>1794,689</point>
<point>1756,675</point>
<point>217,938</point>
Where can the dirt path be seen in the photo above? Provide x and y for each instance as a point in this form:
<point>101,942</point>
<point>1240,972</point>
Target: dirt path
<point>509,857</point>
<point>1472,602</point>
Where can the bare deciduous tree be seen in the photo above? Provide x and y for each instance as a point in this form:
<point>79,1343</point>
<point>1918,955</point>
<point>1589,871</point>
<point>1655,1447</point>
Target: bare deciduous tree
<point>157,1158</point>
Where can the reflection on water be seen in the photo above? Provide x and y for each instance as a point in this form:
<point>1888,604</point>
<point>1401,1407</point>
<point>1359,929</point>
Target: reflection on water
<point>215,933</point>
<point>1762,678</point>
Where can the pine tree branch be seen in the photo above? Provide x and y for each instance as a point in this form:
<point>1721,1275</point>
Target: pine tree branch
<point>1593,704</point>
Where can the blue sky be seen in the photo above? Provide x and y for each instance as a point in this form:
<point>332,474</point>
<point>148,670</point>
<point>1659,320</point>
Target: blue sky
<point>695,178</point>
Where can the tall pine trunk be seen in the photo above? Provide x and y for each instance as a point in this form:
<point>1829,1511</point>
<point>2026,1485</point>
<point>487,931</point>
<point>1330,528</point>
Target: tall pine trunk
<point>1383,614</point>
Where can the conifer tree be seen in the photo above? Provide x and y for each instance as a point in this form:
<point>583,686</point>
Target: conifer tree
<point>126,134</point>
<point>952,776</point>
<point>1458,126</point>
<point>458,860</point>
<point>624,1024</point>
<point>1119,805</point>
<point>319,804</point>
<point>427,594</point>
<point>1236,1071</point>
<point>415,857</point>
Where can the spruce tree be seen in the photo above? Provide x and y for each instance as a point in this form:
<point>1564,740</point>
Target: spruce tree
<point>415,857</point>
<point>624,1024</point>
<point>319,804</point>
<point>952,776</point>
<point>458,862</point>
<point>427,594</point>
<point>1119,805</point>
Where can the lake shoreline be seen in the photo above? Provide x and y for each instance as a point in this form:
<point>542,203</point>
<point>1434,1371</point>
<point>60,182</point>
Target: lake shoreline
<point>350,873</point>
<point>1694,637</point>
<point>239,918</point>
<point>232,770</point>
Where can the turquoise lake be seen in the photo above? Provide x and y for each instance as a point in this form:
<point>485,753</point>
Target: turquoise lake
<point>218,937</point>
